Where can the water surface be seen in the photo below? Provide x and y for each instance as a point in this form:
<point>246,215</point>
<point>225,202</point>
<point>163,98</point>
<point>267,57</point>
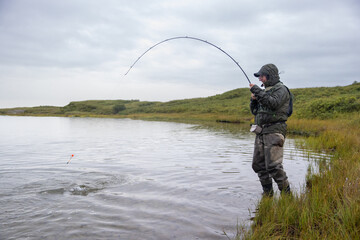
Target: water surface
<point>128,179</point>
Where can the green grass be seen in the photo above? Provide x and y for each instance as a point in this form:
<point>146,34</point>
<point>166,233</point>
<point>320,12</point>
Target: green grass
<point>330,206</point>
<point>231,106</point>
<point>328,118</point>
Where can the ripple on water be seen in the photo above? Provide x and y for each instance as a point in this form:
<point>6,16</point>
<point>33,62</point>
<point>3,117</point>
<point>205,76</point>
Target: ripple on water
<point>128,180</point>
<point>86,183</point>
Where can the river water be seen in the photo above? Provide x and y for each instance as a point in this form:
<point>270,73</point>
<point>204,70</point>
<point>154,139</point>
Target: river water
<point>128,179</point>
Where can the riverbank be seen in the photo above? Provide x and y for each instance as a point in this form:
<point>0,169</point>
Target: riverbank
<point>328,118</point>
<point>329,206</point>
<point>231,106</point>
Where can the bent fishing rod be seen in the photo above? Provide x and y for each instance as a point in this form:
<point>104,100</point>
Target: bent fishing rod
<point>192,38</point>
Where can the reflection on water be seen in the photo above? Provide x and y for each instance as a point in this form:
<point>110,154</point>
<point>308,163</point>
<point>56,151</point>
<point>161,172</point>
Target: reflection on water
<point>128,179</point>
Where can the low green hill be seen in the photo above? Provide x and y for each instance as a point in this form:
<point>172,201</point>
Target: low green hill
<point>231,106</point>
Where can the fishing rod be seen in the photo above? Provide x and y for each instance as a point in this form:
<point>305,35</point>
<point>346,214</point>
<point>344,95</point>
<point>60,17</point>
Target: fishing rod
<point>192,38</point>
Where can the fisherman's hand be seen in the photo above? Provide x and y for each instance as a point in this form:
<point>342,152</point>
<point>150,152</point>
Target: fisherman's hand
<point>253,96</point>
<point>251,85</point>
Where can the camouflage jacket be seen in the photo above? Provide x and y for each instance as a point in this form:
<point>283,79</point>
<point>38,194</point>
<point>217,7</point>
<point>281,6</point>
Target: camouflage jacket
<point>271,105</point>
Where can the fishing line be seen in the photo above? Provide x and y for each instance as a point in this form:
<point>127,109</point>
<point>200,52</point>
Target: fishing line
<point>192,38</point>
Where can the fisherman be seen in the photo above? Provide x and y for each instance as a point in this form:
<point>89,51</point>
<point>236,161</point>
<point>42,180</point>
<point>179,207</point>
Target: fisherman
<point>271,109</point>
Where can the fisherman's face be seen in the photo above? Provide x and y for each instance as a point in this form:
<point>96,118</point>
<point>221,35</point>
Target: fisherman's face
<point>262,78</point>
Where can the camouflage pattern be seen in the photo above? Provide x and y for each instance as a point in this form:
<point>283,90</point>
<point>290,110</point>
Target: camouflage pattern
<point>271,112</point>
<point>268,158</point>
<point>272,104</point>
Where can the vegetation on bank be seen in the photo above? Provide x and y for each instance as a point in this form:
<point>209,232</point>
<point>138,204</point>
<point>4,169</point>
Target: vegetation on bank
<point>329,206</point>
<point>329,118</point>
<point>231,106</point>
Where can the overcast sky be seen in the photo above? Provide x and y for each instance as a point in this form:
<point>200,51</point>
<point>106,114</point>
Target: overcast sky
<point>54,52</point>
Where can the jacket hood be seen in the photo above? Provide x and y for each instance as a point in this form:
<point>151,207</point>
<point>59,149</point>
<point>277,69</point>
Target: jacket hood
<point>272,71</point>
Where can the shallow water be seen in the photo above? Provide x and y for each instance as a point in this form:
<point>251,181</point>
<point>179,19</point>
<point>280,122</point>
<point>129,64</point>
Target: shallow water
<point>128,179</point>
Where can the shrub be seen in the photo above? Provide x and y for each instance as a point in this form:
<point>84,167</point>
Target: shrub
<point>118,108</point>
<point>327,108</point>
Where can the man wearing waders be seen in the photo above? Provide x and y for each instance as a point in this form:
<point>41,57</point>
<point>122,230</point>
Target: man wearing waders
<point>271,110</point>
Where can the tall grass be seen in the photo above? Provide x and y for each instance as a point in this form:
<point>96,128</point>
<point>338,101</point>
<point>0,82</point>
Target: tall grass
<point>329,206</point>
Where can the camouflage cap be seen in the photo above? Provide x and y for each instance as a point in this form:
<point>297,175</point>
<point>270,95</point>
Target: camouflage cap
<point>272,73</point>
<point>268,69</point>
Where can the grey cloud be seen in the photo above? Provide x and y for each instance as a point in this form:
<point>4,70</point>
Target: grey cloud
<point>63,34</point>
<point>288,33</point>
<point>314,42</point>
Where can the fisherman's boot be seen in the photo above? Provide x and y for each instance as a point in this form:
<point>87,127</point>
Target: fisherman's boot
<point>285,189</point>
<point>268,190</point>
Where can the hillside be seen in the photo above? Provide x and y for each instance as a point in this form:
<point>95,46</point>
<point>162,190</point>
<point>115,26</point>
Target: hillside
<point>231,106</point>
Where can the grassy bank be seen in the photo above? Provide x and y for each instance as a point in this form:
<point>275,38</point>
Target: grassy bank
<point>328,118</point>
<point>329,208</point>
<point>231,106</point>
